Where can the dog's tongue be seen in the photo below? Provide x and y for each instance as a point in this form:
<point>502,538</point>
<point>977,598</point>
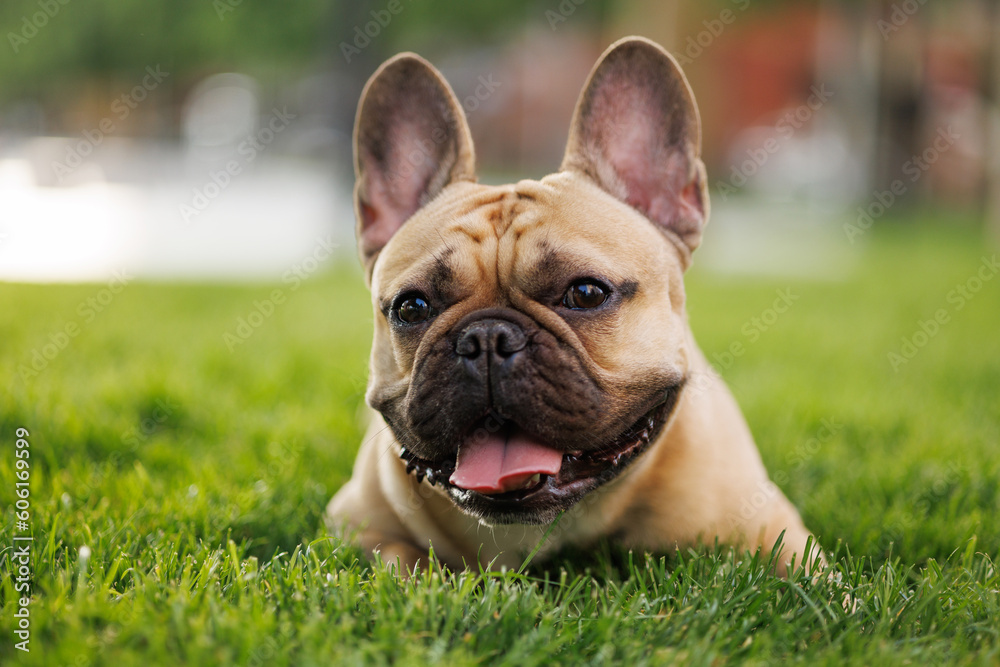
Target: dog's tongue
<point>502,463</point>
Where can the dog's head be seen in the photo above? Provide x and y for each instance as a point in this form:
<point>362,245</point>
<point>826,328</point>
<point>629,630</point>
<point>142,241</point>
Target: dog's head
<point>530,339</point>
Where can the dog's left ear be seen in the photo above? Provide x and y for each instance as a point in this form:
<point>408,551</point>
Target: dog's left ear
<point>636,132</point>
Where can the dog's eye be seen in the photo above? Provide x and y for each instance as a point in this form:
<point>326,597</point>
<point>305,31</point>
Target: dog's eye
<point>413,309</point>
<point>585,294</point>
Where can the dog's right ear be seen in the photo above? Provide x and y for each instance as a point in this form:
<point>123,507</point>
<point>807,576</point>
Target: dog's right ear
<point>411,139</point>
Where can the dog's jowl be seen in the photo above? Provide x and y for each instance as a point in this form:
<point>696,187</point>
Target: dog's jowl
<point>532,358</point>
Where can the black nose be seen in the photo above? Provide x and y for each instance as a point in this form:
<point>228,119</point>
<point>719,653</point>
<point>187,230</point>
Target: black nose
<point>490,340</point>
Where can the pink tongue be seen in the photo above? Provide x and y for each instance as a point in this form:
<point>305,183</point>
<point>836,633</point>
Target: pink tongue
<point>499,463</point>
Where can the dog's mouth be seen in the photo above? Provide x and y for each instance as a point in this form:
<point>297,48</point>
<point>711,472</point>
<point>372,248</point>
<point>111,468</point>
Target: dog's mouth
<point>509,476</point>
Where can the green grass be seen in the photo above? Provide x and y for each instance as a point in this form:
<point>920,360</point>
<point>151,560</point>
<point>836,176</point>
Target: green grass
<point>197,478</point>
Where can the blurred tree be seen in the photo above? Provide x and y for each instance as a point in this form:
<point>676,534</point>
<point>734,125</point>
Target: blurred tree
<point>49,43</point>
<point>70,58</point>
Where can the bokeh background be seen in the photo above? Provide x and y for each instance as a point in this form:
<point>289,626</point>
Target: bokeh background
<point>210,139</point>
<point>196,395</point>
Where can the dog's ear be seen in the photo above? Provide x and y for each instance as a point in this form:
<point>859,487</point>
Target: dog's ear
<point>411,139</point>
<point>636,132</point>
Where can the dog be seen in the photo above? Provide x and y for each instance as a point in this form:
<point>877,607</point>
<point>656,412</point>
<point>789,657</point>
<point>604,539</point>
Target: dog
<point>532,373</point>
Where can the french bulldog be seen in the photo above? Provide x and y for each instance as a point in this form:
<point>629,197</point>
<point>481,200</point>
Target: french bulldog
<point>533,374</point>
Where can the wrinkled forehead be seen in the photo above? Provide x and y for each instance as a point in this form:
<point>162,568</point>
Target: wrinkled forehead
<point>559,225</point>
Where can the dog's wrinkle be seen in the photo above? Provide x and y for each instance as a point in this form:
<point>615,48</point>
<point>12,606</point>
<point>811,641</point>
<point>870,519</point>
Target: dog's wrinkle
<point>628,288</point>
<point>442,276</point>
<point>474,234</point>
<point>558,404</point>
<point>562,401</point>
<point>565,379</point>
<point>491,195</point>
<point>387,395</point>
<point>574,381</point>
<point>555,333</point>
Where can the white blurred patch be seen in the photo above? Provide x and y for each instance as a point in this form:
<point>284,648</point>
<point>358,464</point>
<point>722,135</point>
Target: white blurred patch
<point>121,211</point>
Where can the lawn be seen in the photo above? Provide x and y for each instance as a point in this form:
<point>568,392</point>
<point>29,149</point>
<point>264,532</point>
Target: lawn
<point>180,464</point>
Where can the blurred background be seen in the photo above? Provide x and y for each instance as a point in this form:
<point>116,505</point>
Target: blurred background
<point>210,139</point>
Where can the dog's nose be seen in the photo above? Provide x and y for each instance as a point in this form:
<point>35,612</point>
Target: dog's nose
<point>490,338</point>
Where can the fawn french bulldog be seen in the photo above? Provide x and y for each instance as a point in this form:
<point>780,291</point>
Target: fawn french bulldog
<point>532,358</point>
